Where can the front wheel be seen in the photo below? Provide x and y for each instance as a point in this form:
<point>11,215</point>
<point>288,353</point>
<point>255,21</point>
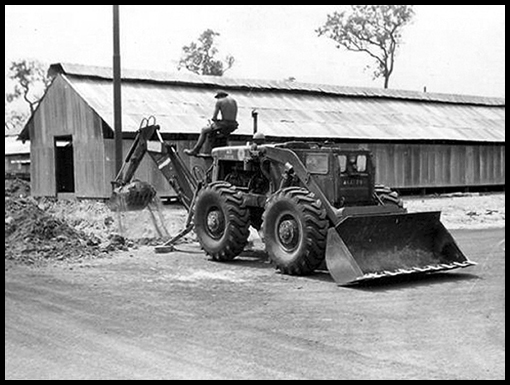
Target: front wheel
<point>295,229</point>
<point>221,221</point>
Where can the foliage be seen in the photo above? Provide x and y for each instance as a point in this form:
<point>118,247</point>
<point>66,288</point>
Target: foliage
<point>14,120</point>
<point>199,57</point>
<point>372,29</point>
<point>29,81</point>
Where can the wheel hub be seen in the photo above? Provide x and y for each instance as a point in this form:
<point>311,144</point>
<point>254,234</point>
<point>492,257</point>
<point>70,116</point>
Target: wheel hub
<point>288,234</point>
<point>215,223</point>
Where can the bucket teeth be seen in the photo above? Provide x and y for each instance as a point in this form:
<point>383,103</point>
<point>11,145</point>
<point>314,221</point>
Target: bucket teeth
<point>424,269</point>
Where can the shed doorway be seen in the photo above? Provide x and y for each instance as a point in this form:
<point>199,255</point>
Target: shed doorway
<point>64,164</point>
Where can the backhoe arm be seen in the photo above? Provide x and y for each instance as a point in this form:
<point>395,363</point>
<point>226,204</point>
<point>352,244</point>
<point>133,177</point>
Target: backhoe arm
<point>148,140</point>
<point>134,156</point>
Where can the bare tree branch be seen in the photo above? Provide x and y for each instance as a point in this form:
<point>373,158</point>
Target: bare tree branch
<point>30,82</point>
<point>372,29</point>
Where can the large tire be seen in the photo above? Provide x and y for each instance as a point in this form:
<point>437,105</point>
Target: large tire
<point>295,230</point>
<point>387,196</point>
<point>221,221</point>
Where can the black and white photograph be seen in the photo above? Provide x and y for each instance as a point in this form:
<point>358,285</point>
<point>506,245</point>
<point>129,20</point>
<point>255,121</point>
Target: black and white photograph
<point>255,192</point>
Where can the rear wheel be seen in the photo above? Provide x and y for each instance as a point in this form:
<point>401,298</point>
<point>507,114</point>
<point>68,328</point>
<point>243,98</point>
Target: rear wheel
<point>387,196</point>
<point>295,229</point>
<point>221,221</point>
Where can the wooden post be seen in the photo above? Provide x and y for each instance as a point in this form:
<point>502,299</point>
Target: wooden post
<point>117,104</point>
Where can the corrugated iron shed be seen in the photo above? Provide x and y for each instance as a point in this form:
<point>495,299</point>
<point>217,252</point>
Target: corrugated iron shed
<point>418,140</point>
<point>182,103</point>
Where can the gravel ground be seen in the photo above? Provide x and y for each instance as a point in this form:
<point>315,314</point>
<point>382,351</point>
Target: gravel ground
<point>463,210</point>
<point>141,315</point>
<point>135,314</point>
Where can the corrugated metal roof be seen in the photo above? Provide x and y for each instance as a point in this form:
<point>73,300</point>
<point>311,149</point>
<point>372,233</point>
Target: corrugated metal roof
<point>185,107</point>
<point>261,85</point>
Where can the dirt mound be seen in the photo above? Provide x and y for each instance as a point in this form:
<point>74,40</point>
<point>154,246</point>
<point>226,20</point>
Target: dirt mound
<point>31,235</point>
<point>46,229</point>
<point>17,188</point>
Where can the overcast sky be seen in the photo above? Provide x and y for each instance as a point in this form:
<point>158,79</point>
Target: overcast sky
<point>448,48</point>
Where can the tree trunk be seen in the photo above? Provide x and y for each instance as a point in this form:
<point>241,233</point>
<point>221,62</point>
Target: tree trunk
<point>386,81</point>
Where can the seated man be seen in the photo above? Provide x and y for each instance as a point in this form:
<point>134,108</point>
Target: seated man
<point>227,124</point>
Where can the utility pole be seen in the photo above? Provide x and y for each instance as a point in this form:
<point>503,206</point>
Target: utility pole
<point>117,104</point>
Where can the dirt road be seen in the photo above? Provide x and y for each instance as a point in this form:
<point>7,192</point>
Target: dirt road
<point>141,315</point>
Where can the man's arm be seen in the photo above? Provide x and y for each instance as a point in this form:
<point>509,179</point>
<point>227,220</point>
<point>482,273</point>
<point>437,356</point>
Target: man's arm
<point>216,111</point>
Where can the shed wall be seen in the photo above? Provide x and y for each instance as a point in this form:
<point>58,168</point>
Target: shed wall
<point>402,166</point>
<point>439,165</point>
<point>432,165</point>
<point>62,112</point>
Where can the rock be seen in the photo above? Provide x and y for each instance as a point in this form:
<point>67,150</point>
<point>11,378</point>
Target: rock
<point>108,221</point>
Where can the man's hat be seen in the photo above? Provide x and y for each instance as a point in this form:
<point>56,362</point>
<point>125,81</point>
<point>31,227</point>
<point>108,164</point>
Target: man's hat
<point>220,94</point>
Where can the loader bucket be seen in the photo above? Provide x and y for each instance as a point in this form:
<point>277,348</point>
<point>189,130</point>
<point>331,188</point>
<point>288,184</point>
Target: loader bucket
<point>133,196</point>
<point>368,247</point>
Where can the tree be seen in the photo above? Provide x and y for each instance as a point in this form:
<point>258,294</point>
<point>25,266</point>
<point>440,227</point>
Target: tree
<point>28,81</point>
<point>372,29</point>
<point>199,57</point>
<point>14,120</point>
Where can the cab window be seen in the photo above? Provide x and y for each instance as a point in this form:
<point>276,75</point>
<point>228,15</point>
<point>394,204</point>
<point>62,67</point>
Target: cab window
<point>317,163</point>
<point>362,163</point>
<point>342,161</point>
<point>352,163</point>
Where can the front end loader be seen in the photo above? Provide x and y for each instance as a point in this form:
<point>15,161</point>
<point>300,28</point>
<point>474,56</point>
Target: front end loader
<point>311,202</point>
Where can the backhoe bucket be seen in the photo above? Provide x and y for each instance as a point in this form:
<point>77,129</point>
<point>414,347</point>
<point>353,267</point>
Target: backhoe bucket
<point>368,247</point>
<point>133,196</point>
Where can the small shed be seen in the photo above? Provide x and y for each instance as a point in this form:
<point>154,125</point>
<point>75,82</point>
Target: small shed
<point>17,158</point>
<point>420,140</point>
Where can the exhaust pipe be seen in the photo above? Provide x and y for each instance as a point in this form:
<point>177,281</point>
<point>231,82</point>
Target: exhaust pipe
<point>255,116</point>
